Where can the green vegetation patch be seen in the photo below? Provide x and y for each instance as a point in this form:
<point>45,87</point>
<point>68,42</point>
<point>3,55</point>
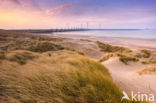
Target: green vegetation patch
<point>45,46</point>
<point>47,38</point>
<point>33,46</point>
<point>19,45</point>
<point>144,54</point>
<point>110,48</point>
<point>107,57</point>
<point>125,59</point>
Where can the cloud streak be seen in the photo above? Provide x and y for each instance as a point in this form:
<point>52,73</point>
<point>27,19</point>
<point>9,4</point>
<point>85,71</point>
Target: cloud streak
<point>61,9</point>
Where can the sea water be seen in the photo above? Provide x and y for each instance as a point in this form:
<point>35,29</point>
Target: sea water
<point>133,33</point>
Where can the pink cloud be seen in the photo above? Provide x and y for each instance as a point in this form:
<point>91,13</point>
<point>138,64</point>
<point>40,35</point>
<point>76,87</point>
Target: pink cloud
<point>60,9</point>
<point>30,4</point>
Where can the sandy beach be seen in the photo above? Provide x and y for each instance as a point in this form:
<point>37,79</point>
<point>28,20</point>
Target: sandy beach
<point>133,43</point>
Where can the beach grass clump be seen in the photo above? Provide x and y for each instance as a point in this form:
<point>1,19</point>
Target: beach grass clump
<point>107,57</point>
<point>32,46</point>
<point>21,57</point>
<point>110,48</point>
<point>149,61</point>
<point>71,49</point>
<point>148,70</point>
<point>65,77</point>
<point>44,47</point>
<point>47,38</point>
<point>145,62</point>
<point>125,59</point>
<point>19,45</point>
<point>144,54</point>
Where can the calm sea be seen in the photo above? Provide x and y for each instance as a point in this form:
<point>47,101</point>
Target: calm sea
<point>116,33</point>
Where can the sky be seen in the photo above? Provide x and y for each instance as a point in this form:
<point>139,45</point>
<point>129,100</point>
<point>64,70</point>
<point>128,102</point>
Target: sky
<point>101,14</point>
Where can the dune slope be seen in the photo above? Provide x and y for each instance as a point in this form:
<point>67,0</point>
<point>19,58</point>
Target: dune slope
<point>55,77</point>
<point>128,78</point>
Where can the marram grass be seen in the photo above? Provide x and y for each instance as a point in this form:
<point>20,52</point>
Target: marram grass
<point>56,77</point>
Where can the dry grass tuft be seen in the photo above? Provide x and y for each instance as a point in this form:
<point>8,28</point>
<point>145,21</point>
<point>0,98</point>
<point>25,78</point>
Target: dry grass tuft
<point>125,59</point>
<point>44,47</point>
<point>144,54</point>
<point>47,38</point>
<point>149,70</point>
<point>107,57</point>
<point>110,48</point>
<point>33,46</point>
<point>21,57</point>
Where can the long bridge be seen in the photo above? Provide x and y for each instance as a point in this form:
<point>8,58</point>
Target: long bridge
<point>50,30</point>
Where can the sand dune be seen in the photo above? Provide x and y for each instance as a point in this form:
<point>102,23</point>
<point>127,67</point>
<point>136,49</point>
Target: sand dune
<point>127,77</point>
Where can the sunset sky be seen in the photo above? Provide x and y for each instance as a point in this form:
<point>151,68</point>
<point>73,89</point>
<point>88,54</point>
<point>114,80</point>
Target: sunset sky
<point>33,14</point>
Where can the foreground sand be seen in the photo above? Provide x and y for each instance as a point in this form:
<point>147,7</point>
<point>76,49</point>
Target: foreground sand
<point>127,77</point>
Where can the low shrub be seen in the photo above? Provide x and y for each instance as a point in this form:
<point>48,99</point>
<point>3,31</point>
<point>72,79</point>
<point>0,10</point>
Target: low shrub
<point>144,54</point>
<point>125,59</point>
<point>106,57</point>
<point>44,47</point>
<point>33,46</point>
<point>19,45</point>
<point>149,70</point>
<point>46,38</point>
<point>110,48</point>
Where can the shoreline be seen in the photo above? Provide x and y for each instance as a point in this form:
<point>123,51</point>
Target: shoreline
<point>133,43</point>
